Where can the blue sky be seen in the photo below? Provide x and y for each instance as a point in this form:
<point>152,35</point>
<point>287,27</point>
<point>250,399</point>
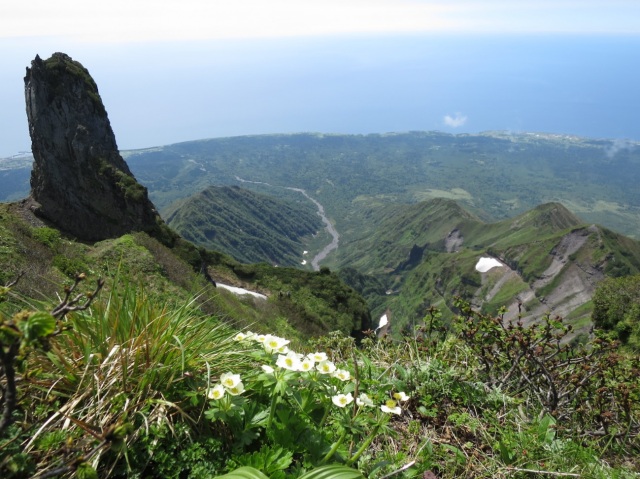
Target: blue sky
<point>176,70</point>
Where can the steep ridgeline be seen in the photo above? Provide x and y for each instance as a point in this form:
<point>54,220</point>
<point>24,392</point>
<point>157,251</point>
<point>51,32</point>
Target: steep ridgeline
<point>79,181</point>
<point>249,226</point>
<point>547,260</point>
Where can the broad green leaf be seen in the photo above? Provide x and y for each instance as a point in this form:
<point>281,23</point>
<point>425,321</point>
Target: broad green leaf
<point>86,471</point>
<point>243,473</point>
<point>39,325</point>
<point>506,454</point>
<point>546,429</point>
<point>334,471</point>
<point>260,418</point>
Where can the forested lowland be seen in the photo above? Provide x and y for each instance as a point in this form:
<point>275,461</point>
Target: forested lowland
<point>495,174</point>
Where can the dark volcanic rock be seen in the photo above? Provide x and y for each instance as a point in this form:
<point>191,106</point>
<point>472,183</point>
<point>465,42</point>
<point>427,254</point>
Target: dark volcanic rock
<point>79,181</point>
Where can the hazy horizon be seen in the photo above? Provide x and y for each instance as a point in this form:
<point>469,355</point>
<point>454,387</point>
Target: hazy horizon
<point>559,67</point>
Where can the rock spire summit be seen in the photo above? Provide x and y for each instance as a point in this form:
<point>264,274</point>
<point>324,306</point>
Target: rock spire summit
<point>79,181</point>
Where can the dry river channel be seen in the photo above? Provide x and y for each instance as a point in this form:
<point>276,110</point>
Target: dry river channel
<point>335,237</point>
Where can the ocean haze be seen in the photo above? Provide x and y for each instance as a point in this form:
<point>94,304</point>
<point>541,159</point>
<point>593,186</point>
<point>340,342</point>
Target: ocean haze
<point>162,93</point>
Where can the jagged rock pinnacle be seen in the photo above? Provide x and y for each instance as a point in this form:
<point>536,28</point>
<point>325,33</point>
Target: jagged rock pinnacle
<point>79,181</point>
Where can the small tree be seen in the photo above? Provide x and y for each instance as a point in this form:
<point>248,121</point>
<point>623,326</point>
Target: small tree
<point>616,308</point>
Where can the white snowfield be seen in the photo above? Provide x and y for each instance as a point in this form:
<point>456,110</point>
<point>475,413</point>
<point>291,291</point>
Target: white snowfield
<point>240,291</point>
<point>383,322</point>
<point>485,264</point>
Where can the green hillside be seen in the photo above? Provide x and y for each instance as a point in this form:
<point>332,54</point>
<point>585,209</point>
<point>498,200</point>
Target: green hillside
<point>130,351</point>
<point>146,375</point>
<point>249,226</point>
<point>426,255</point>
<point>14,177</point>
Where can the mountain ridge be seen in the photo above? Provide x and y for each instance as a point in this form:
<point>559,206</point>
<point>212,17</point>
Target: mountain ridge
<point>551,261</point>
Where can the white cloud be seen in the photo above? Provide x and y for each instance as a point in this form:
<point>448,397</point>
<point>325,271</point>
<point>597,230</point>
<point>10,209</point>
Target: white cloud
<point>618,145</point>
<point>455,121</point>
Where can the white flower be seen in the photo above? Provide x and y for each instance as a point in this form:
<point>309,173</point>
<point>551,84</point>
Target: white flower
<point>342,374</point>
<point>244,336</point>
<point>401,396</point>
<point>290,361</point>
<point>341,400</point>
<point>230,380</point>
<point>217,392</point>
<point>237,389</point>
<point>306,364</point>
<point>284,350</point>
<point>267,369</point>
<point>326,367</point>
<point>391,407</point>
<point>273,343</point>
<point>261,338</point>
<point>318,357</point>
<point>364,400</point>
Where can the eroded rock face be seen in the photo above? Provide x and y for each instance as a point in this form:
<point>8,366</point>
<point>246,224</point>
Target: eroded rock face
<point>79,181</point>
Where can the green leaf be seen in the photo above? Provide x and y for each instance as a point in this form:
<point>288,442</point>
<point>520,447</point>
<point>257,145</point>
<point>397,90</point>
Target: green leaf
<point>9,332</point>
<point>506,454</point>
<point>333,471</point>
<point>546,429</point>
<point>260,418</point>
<point>86,471</point>
<point>243,473</point>
<point>39,325</point>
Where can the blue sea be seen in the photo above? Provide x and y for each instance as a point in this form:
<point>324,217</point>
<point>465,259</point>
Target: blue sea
<point>157,94</point>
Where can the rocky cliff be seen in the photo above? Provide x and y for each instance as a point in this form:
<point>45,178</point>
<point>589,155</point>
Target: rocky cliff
<point>79,181</point>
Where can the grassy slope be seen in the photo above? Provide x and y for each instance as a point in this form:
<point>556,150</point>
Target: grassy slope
<point>312,303</point>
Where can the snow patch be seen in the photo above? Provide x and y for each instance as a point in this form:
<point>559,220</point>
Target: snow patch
<point>485,264</point>
<point>240,291</point>
<point>383,322</point>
